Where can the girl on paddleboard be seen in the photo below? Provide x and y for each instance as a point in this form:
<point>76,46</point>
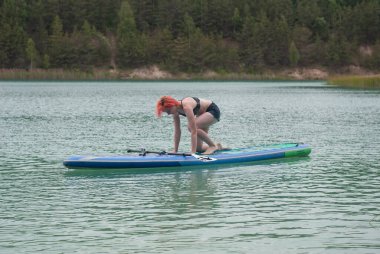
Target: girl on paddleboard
<point>200,114</point>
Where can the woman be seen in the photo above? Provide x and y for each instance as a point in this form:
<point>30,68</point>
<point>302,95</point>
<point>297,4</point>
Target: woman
<point>200,114</point>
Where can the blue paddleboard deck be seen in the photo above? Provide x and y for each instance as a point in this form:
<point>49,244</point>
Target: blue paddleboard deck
<point>239,155</point>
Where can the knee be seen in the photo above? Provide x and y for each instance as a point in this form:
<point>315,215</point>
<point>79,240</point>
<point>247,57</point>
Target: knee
<point>202,130</point>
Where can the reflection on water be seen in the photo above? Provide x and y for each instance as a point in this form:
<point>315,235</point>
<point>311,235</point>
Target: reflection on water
<point>328,202</point>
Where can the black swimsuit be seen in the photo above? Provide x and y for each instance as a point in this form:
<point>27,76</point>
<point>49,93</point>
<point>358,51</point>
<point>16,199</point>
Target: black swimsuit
<point>212,109</point>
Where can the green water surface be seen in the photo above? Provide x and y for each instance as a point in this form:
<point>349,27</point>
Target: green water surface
<point>326,203</point>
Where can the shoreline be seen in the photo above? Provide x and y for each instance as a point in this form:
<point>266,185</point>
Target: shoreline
<point>348,77</point>
<point>155,73</point>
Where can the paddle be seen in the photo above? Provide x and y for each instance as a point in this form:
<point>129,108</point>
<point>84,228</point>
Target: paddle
<point>202,158</point>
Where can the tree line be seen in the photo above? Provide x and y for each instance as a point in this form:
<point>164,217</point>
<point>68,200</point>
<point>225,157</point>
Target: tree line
<point>189,35</point>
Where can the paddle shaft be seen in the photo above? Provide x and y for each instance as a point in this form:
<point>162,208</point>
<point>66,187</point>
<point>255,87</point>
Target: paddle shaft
<point>202,158</point>
<point>143,151</point>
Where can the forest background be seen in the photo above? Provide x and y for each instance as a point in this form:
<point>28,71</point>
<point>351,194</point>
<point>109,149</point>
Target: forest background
<point>193,36</point>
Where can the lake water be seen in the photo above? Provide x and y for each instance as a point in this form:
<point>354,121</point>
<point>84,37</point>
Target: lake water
<point>326,203</point>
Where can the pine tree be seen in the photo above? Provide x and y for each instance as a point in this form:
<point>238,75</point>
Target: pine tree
<point>337,51</point>
<point>46,62</point>
<point>189,28</point>
<point>31,52</point>
<point>294,55</point>
<point>236,21</point>
<point>87,30</point>
<point>56,42</point>
<point>126,27</point>
<point>160,46</point>
<point>12,35</point>
<point>130,43</point>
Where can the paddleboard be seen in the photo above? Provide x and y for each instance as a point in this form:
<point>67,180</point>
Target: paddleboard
<point>147,160</point>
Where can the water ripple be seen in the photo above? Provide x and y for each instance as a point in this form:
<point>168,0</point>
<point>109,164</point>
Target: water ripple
<point>326,203</point>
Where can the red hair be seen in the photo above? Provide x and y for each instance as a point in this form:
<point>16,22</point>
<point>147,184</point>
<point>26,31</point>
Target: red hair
<point>165,102</point>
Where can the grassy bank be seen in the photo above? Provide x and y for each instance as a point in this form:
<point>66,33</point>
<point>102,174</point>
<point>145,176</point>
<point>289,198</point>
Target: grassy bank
<point>155,73</point>
<point>56,74</point>
<point>137,74</point>
<point>356,81</point>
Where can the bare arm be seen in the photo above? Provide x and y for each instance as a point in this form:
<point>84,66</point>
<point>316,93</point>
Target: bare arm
<point>192,126</point>
<point>177,131</point>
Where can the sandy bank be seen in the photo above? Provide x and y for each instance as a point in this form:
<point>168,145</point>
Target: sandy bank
<point>156,73</point>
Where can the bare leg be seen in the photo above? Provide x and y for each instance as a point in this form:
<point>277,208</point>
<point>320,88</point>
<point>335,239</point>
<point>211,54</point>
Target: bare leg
<point>203,122</point>
<point>201,146</point>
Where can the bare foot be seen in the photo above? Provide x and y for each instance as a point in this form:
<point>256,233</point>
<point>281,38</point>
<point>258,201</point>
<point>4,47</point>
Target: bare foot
<point>211,150</point>
<point>221,148</point>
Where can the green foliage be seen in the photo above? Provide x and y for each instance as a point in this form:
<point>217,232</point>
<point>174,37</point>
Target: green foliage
<point>87,30</point>
<point>371,59</point>
<point>159,47</point>
<point>294,55</point>
<point>130,42</point>
<point>31,52</point>
<point>126,27</point>
<point>188,35</point>
<point>361,23</point>
<point>251,41</point>
<point>12,34</point>
<point>337,52</point>
<point>56,42</point>
<point>236,21</point>
<point>46,62</point>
